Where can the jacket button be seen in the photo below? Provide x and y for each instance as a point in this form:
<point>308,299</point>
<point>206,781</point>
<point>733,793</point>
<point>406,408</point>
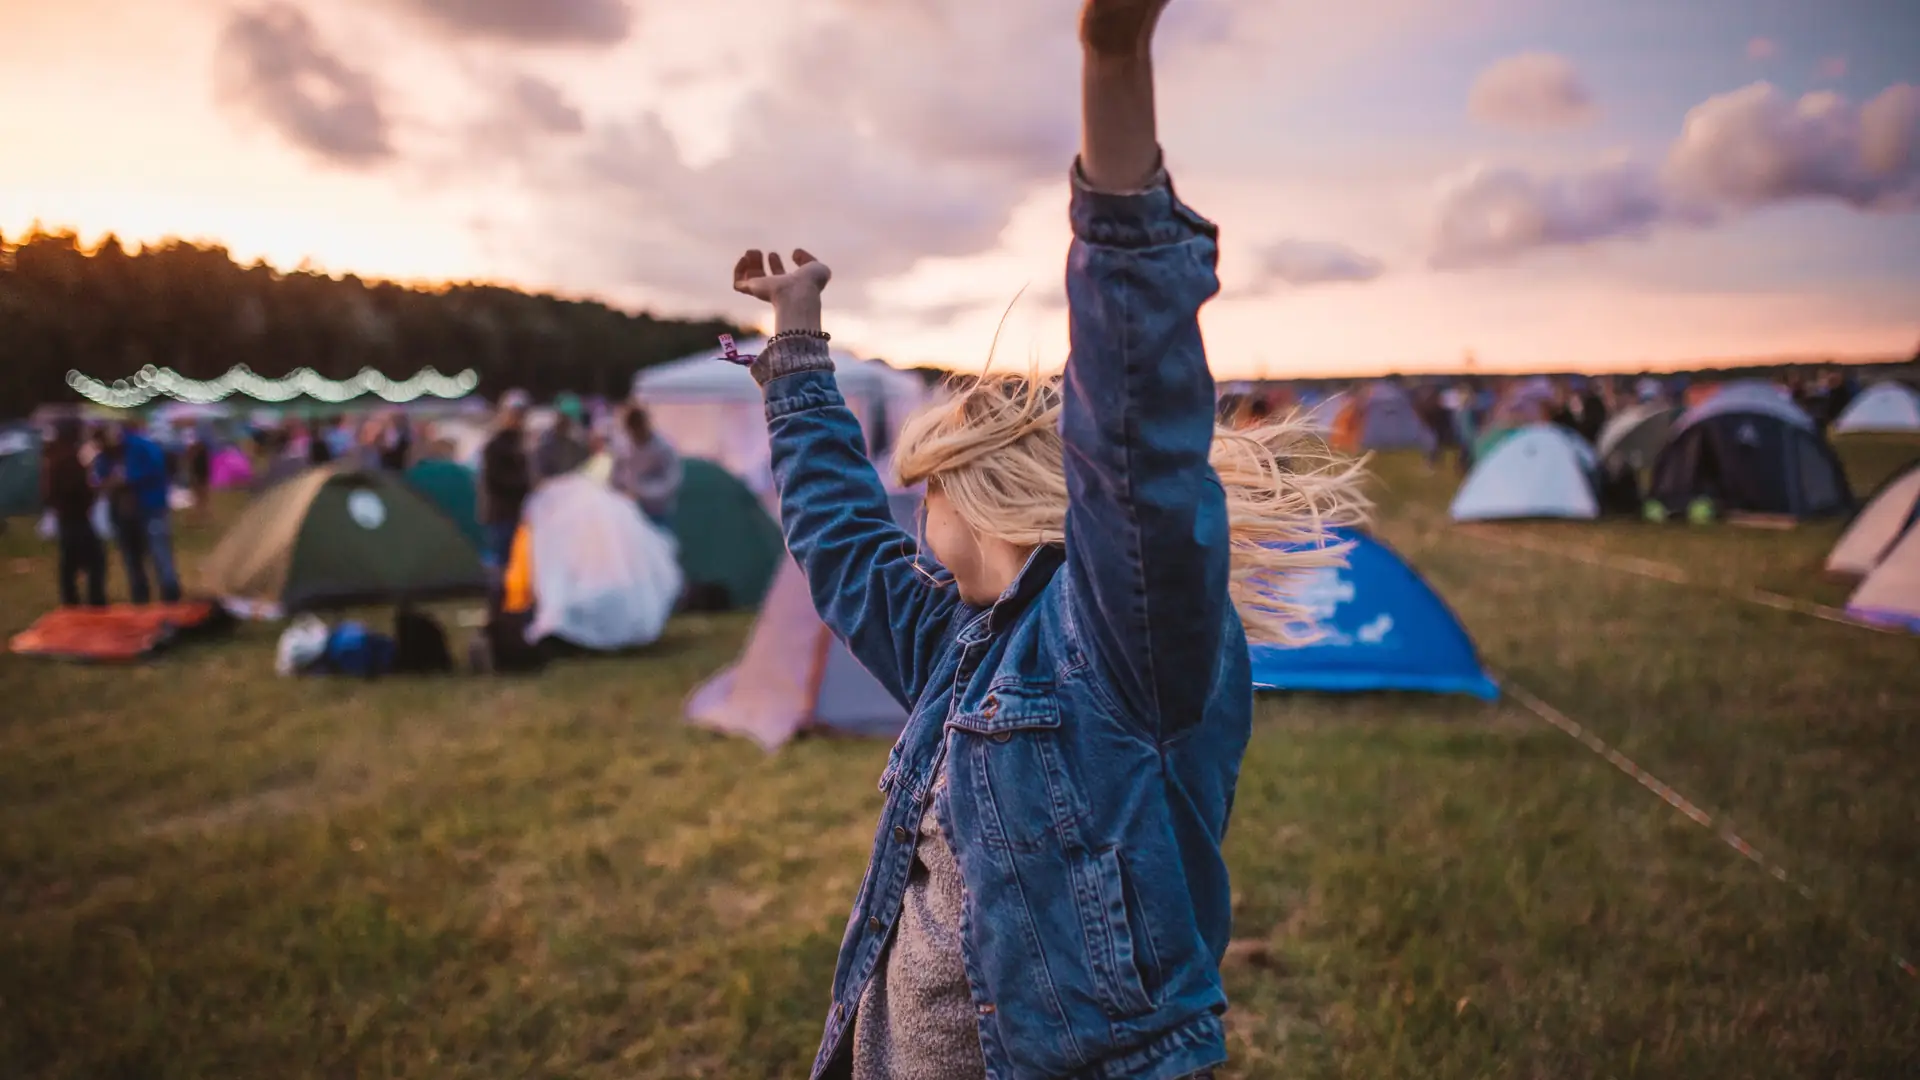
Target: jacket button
<point>986,1010</point>
<point>990,706</point>
<point>1001,736</point>
<point>900,834</point>
<point>874,924</point>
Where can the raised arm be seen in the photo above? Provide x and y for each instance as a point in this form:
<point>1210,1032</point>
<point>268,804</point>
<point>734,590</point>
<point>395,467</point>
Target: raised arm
<point>869,582</point>
<point>1147,548</point>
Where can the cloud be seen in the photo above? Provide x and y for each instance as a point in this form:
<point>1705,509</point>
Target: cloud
<point>846,136</point>
<point>1756,146</point>
<point>524,113</point>
<point>1833,67</point>
<point>877,161</point>
<point>1762,49</point>
<point>1737,153</point>
<point>271,62</point>
<point>1492,215</point>
<point>1302,263</point>
<point>532,22</point>
<point>1531,91</point>
<point>543,106</point>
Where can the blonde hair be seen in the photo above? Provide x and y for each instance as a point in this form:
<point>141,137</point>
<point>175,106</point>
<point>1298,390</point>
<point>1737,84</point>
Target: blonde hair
<point>994,449</point>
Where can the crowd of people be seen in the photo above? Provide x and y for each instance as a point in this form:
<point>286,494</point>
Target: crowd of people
<point>111,485</point>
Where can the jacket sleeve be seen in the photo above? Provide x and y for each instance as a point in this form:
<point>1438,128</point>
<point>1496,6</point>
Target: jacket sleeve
<point>1147,544</point>
<point>869,582</point>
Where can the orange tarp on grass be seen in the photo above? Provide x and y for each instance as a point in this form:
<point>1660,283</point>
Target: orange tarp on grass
<point>117,634</point>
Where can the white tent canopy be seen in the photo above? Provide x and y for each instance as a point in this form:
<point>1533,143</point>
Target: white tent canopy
<point>1878,527</point>
<point>708,407</point>
<point>1890,595</point>
<point>1540,471</point>
<point>1885,406</point>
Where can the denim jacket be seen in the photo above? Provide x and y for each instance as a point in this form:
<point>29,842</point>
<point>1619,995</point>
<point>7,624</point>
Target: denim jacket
<point>1092,721</point>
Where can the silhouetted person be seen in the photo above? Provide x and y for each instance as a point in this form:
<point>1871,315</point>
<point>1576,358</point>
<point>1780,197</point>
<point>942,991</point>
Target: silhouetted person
<point>68,493</point>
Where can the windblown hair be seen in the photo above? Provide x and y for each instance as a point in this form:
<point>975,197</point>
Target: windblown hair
<point>993,447</point>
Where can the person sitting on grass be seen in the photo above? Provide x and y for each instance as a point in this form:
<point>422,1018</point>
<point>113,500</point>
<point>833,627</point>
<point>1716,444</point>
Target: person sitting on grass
<point>1046,895</point>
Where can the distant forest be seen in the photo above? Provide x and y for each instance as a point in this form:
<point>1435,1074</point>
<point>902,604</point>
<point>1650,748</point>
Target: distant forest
<point>107,312</point>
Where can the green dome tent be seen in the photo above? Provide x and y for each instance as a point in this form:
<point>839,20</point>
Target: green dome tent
<point>729,547</point>
<point>452,489</point>
<point>339,536</point>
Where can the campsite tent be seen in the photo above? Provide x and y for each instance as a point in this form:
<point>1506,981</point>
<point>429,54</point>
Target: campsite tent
<point>730,548</point>
<point>1753,452</point>
<point>1634,437</point>
<point>337,536</point>
<point>1385,629</point>
<point>1524,402</point>
<point>708,407</point>
<point>1880,525</point>
<point>19,471</point>
<point>1380,417</point>
<point>1884,406</point>
<point>1321,413</point>
<point>1890,595</point>
<point>1540,471</point>
<point>603,576</point>
<point>795,675</point>
<point>452,489</point>
<point>229,468</point>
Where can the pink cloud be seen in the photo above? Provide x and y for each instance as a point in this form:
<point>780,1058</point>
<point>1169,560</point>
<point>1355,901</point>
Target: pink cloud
<point>1833,67</point>
<point>1531,91</point>
<point>1762,49</point>
<point>1737,152</point>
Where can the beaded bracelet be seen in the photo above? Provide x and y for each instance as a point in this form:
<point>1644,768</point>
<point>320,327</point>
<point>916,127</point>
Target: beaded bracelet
<point>820,335</point>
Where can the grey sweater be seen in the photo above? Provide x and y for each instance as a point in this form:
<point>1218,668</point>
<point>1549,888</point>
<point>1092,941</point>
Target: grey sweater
<point>916,1019</point>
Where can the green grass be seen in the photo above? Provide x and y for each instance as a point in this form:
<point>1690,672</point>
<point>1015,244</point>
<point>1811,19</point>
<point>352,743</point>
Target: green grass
<point>207,871</point>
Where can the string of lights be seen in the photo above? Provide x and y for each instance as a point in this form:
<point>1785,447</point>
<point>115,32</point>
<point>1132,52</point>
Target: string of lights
<point>151,382</point>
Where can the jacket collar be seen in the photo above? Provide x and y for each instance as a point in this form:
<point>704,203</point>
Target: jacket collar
<point>1034,576</point>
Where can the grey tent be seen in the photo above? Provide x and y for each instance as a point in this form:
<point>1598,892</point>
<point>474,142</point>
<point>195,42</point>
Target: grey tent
<point>795,675</point>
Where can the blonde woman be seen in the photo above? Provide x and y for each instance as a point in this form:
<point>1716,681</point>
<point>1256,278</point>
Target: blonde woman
<point>1046,895</point>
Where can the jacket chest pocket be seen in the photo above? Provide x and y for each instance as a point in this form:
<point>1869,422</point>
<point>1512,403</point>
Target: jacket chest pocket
<point>1017,792</point>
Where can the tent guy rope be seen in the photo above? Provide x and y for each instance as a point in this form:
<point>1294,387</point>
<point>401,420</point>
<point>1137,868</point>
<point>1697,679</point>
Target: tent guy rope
<point>1718,826</point>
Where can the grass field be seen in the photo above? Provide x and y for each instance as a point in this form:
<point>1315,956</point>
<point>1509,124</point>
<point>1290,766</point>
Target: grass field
<point>208,871</point>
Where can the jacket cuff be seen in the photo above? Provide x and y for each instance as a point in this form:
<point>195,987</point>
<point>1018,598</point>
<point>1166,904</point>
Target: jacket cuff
<point>790,356</point>
<point>1152,217</point>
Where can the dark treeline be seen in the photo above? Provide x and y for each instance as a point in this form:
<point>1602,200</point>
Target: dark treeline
<point>108,312</point>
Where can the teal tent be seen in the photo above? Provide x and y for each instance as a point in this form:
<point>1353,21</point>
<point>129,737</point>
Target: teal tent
<point>451,488</point>
<point>19,471</point>
<point>729,545</point>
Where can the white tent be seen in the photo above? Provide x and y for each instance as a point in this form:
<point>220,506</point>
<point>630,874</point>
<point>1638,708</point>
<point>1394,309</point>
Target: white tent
<point>1890,595</point>
<point>1886,406</point>
<point>708,407</point>
<point>1540,471</point>
<point>1878,527</point>
<point>604,577</point>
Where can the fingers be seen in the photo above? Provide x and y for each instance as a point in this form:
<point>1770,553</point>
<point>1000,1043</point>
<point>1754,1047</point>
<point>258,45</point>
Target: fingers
<point>801,258</point>
<point>751,265</point>
<point>774,264</point>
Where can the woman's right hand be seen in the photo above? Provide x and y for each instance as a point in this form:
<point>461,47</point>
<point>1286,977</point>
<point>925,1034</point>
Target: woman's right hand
<point>770,280</point>
<point>794,294</point>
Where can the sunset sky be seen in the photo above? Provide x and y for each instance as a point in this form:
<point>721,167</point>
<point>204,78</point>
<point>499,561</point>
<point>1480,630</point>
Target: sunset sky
<point>1546,183</point>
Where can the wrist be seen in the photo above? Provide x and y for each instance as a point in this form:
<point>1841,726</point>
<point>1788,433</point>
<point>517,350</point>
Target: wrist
<point>796,311</point>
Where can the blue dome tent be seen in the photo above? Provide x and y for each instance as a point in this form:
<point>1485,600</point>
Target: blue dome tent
<point>1386,629</point>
